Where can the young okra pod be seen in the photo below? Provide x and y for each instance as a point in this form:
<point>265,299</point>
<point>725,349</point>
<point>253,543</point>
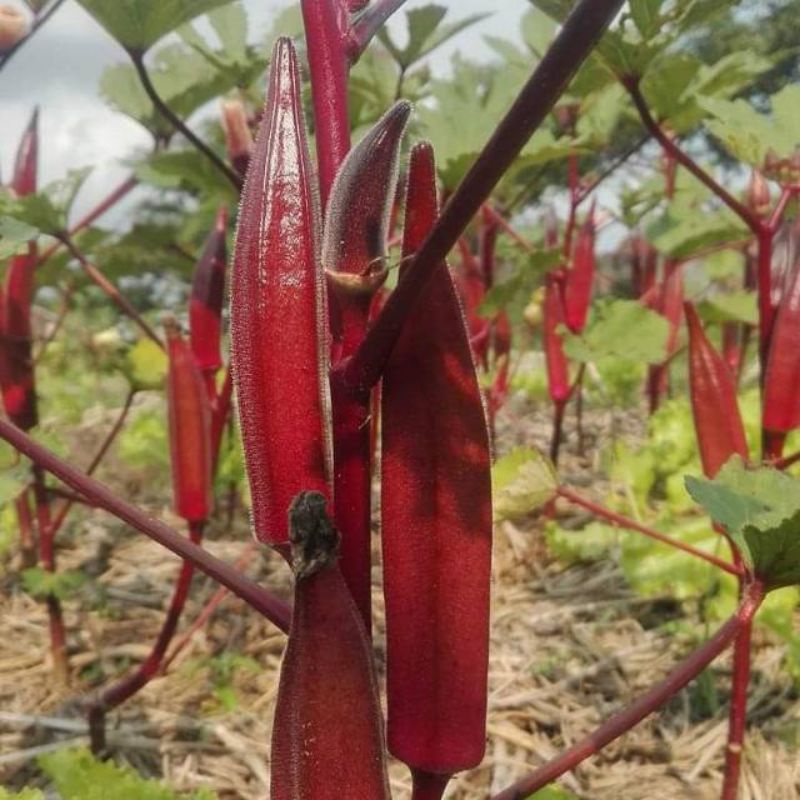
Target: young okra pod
<point>327,738</point>
<point>436,520</point>
<point>718,424</point>
<point>277,313</point>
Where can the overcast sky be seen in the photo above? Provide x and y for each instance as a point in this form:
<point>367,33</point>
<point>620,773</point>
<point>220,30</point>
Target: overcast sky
<point>60,70</point>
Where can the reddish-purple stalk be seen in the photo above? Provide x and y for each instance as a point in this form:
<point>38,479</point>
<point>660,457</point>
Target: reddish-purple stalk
<point>622,722</point>
<point>110,290</point>
<point>27,534</point>
<point>47,558</point>
<point>625,522</point>
<point>427,786</point>
<point>737,721</point>
<point>572,45</point>
<point>274,609</point>
<point>327,24</point>
<point>113,696</point>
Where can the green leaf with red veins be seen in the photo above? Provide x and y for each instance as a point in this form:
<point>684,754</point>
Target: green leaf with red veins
<point>327,738</point>
<point>277,312</point>
<point>436,520</point>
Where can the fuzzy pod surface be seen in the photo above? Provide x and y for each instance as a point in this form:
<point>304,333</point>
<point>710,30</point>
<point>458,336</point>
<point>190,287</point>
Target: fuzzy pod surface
<point>782,379</point>
<point>436,520</point>
<point>327,738</point>
<point>277,312</point>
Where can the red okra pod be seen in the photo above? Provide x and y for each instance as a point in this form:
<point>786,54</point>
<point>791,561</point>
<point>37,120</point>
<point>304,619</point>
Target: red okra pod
<point>208,294</point>
<point>718,424</point>
<point>277,313</point>
<point>19,392</point>
<point>557,365</point>
<point>782,378</point>
<point>436,520</point>
<point>327,737</point>
<point>189,430</point>
<point>357,219</point>
<point>354,259</point>
<point>580,278</point>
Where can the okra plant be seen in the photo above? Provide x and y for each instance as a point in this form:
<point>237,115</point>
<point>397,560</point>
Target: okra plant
<point>341,382</point>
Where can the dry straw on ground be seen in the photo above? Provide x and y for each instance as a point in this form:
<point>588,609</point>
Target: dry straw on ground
<point>569,646</point>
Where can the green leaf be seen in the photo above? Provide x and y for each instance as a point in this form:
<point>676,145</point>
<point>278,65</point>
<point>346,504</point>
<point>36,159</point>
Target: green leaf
<point>13,476</point>
<point>646,16</point>
<point>425,33</point>
<point>138,24</point>
<point>683,231</point>
<point>146,365</point>
<point>186,169</point>
<point>25,794</point>
<point>611,334</point>
<point>553,793</point>
<point>513,293</point>
<point>15,236</point>
<point>48,210</point>
<point>182,77</point>
<point>749,135</point>
<point>522,481</point>
<point>40,583</point>
<point>77,775</point>
<point>731,307</point>
<point>760,509</point>
<point>538,31</point>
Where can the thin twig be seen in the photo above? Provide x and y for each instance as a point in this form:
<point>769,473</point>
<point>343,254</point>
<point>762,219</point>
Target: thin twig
<point>179,125</point>
<point>110,289</point>
<point>38,22</point>
<point>624,522</point>
<point>263,601</point>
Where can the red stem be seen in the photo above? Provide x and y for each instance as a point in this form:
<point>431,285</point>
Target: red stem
<point>788,461</point>
<point>326,25</point>
<point>267,604</point>
<point>47,556</point>
<point>738,713</point>
<point>573,44</point>
<point>506,226</point>
<point>104,205</point>
<point>427,785</point>
<point>766,311</point>
<point>631,84</point>
<point>124,689</point>
<point>625,522</point>
<point>27,536</point>
<point>110,290</point>
<point>622,722</point>
<point>208,611</point>
<point>98,457</point>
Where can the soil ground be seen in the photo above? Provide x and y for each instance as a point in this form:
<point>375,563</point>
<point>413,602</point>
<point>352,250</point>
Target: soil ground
<point>569,646</point>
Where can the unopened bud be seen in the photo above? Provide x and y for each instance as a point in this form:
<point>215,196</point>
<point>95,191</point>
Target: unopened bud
<point>758,195</point>
<point>238,137</point>
<point>14,26</point>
